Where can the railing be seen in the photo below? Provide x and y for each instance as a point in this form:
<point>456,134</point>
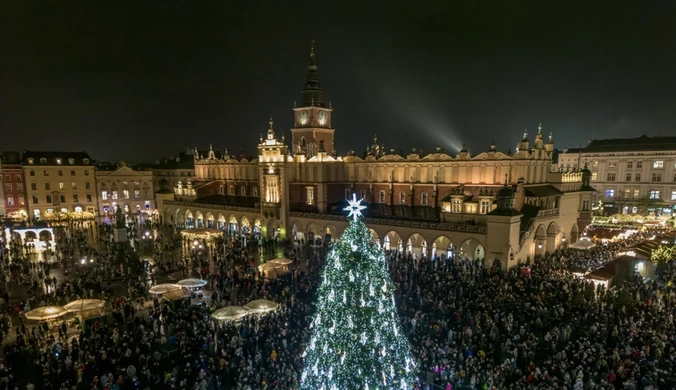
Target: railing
<point>211,206</point>
<point>548,213</point>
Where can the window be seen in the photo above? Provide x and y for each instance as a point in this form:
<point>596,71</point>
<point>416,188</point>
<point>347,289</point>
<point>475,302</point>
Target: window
<point>19,187</point>
<point>61,186</point>
<point>31,173</point>
<point>243,191</point>
<point>655,194</point>
<point>125,193</point>
<point>657,177</point>
<point>104,195</point>
<point>137,194</point>
<point>7,177</point>
<point>21,200</point>
<point>593,178</point>
<point>232,190</point>
<point>8,188</point>
<point>86,173</point>
<point>43,160</point>
<point>30,161</point>
<point>612,164</point>
<point>585,205</point>
<point>658,164</point>
<point>72,173</point>
<point>637,193</point>
<point>34,186</point>
<point>255,191</point>
<point>610,176</point>
<point>145,193</point>
<point>310,192</point>
<point>35,199</point>
<point>639,164</point>
<point>627,192</point>
<point>456,206</point>
<point>628,176</point>
<point>62,198</point>
<point>48,186</point>
<point>595,164</point>
<point>638,177</point>
<point>73,185</point>
<point>629,164</point>
<point>610,193</point>
<point>75,198</point>
<point>381,196</point>
<point>114,194</point>
<point>347,194</point>
<point>402,197</point>
<point>49,199</point>
<point>58,161</point>
<point>363,194</point>
<point>10,200</point>
<point>124,183</point>
<point>45,173</point>
<point>59,173</point>
<point>673,195</point>
<point>423,198</point>
<point>88,185</point>
<point>485,206</point>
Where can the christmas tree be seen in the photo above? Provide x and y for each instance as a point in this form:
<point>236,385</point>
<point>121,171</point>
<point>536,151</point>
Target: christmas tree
<point>356,341</point>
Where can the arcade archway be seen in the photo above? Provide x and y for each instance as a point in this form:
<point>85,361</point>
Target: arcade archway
<point>220,224</point>
<point>552,235</point>
<point>246,225</point>
<point>210,221</point>
<point>472,249</point>
<point>443,247</point>
<point>416,246</point>
<point>540,240</point>
<point>233,226</point>
<point>392,241</point>
<point>189,219</point>
<point>574,234</point>
<point>199,220</point>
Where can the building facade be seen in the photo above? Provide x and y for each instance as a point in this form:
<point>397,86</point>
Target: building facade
<point>59,183</point>
<point>490,205</point>
<point>631,175</point>
<point>120,185</point>
<point>13,186</point>
<point>174,169</point>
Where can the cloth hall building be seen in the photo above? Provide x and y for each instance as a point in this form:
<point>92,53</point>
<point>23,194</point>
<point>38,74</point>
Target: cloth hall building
<point>490,206</point>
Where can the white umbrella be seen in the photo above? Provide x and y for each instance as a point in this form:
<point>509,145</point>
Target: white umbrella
<point>261,306</point>
<point>230,313</point>
<point>163,288</point>
<point>269,266</point>
<point>46,313</point>
<point>81,305</point>
<point>281,261</point>
<point>192,283</point>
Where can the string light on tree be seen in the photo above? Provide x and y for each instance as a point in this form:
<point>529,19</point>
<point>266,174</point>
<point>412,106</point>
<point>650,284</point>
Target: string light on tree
<point>356,342</point>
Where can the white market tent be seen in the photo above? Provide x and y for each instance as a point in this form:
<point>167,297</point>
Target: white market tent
<point>261,306</point>
<point>230,313</point>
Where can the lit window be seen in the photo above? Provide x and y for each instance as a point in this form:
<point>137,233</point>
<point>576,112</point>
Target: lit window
<point>610,193</point>
<point>30,161</point>
<point>595,164</point>
<point>73,185</point>
<point>58,161</point>
<point>381,196</point>
<point>114,194</point>
<point>485,206</point>
<point>655,194</point>
<point>658,164</point>
<point>10,200</point>
<point>423,198</point>
<point>612,165</point>
<point>637,193</point>
<point>627,192</point>
<point>104,195</point>
<point>78,209</point>
<point>456,206</point>
<point>126,194</point>
<point>310,195</point>
<point>21,200</point>
<point>61,186</point>
<point>137,194</point>
<point>593,178</point>
<point>673,195</point>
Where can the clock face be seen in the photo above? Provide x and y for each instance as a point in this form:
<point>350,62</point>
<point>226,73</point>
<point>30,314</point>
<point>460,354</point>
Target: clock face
<point>303,116</point>
<point>321,115</point>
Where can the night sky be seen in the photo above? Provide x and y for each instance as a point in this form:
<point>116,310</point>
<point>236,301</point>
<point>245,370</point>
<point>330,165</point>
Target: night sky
<point>144,79</point>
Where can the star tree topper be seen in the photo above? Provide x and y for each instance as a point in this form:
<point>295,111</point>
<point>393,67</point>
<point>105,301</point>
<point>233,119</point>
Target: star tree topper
<point>354,207</point>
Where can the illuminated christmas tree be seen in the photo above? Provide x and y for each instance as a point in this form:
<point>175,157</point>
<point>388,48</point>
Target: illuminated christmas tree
<point>356,340</point>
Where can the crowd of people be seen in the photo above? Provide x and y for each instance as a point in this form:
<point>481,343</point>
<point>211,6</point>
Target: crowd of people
<point>469,326</point>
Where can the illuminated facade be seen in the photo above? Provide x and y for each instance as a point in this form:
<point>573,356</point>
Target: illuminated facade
<point>126,187</point>
<point>488,205</point>
<point>13,186</point>
<point>59,183</point>
<point>631,175</point>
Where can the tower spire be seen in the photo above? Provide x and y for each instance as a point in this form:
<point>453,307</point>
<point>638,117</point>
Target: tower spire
<point>312,94</point>
<point>312,53</point>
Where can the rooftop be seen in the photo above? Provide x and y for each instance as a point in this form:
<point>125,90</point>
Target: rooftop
<point>643,143</point>
<point>56,158</point>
